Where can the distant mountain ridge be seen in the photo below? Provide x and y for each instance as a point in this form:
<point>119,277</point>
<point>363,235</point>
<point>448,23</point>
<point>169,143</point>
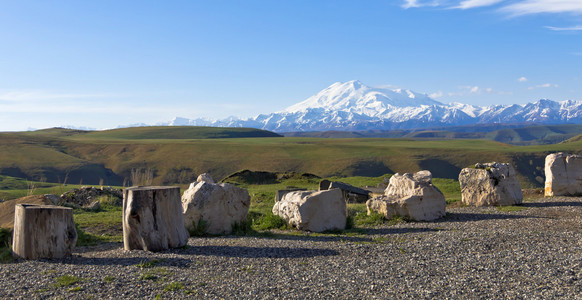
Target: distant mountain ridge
<point>352,106</point>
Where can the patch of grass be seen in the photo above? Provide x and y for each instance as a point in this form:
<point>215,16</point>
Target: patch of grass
<point>5,245</point>
<point>199,229</point>
<point>149,264</point>
<point>511,208</point>
<point>108,216</point>
<point>358,216</point>
<point>249,269</point>
<point>381,240</point>
<point>450,188</point>
<point>148,276</point>
<point>267,221</point>
<point>155,274</point>
<point>243,228</point>
<point>87,239</point>
<point>108,278</point>
<point>67,280</point>
<point>109,201</point>
<point>397,220</point>
<point>75,289</point>
<point>174,287</point>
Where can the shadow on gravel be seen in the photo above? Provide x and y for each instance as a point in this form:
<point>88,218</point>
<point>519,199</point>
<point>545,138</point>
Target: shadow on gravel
<point>258,252</point>
<point>124,261</point>
<point>551,204</point>
<point>399,230</point>
<point>467,217</point>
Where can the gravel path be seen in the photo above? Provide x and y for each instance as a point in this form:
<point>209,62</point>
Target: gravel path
<point>472,253</point>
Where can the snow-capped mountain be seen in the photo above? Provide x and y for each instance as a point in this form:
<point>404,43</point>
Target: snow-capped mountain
<point>355,106</point>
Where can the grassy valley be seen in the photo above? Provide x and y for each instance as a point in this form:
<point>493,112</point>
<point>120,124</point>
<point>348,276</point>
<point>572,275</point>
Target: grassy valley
<point>176,155</point>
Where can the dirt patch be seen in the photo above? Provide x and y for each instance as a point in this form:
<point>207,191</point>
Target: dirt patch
<point>7,208</point>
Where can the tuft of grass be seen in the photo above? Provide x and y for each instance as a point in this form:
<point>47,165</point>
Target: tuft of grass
<point>267,221</point>
<point>372,219</point>
<point>5,245</point>
<point>511,208</point>
<point>149,264</point>
<point>154,274</point>
<point>108,278</point>
<point>75,289</point>
<point>358,216</point>
<point>243,228</point>
<point>198,229</point>
<point>67,280</point>
<point>174,287</point>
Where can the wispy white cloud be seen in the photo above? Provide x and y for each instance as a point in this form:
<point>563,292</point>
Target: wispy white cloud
<point>545,85</point>
<point>522,79</point>
<point>436,95</point>
<point>467,4</point>
<point>572,28</point>
<point>410,4</point>
<point>526,7</point>
<point>515,7</point>
<point>420,3</point>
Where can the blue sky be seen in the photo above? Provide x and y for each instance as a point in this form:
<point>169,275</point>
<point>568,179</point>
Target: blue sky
<point>101,64</point>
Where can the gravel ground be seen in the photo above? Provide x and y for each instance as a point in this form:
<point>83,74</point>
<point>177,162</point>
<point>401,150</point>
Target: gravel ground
<point>533,253</point>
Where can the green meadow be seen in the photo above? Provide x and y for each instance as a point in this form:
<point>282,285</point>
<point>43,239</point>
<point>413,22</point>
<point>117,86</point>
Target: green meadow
<point>176,155</point>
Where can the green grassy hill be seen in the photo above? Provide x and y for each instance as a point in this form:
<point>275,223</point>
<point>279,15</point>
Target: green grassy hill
<point>528,135</point>
<point>90,157</point>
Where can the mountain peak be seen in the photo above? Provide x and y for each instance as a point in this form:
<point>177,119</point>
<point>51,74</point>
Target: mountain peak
<point>354,96</point>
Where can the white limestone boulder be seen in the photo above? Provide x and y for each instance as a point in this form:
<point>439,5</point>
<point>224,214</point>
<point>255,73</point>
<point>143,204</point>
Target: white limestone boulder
<point>218,205</point>
<point>412,196</point>
<point>563,174</point>
<point>315,211</point>
<point>490,184</point>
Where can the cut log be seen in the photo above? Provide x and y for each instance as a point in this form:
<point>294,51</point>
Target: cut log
<point>43,231</point>
<point>152,218</point>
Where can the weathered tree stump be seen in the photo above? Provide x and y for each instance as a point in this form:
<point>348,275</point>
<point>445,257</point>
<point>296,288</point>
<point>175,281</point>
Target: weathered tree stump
<point>43,231</point>
<point>152,218</point>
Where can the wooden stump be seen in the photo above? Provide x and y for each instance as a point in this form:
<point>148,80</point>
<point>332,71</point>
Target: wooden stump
<point>152,218</point>
<point>43,231</point>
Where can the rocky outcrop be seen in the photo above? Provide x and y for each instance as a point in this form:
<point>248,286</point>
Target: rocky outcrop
<point>563,174</point>
<point>214,207</point>
<point>412,196</point>
<point>85,196</point>
<point>490,184</point>
<point>315,211</point>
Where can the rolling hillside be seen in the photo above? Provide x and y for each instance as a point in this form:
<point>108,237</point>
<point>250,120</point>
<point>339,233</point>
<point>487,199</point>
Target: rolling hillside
<point>89,157</point>
<point>524,135</point>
